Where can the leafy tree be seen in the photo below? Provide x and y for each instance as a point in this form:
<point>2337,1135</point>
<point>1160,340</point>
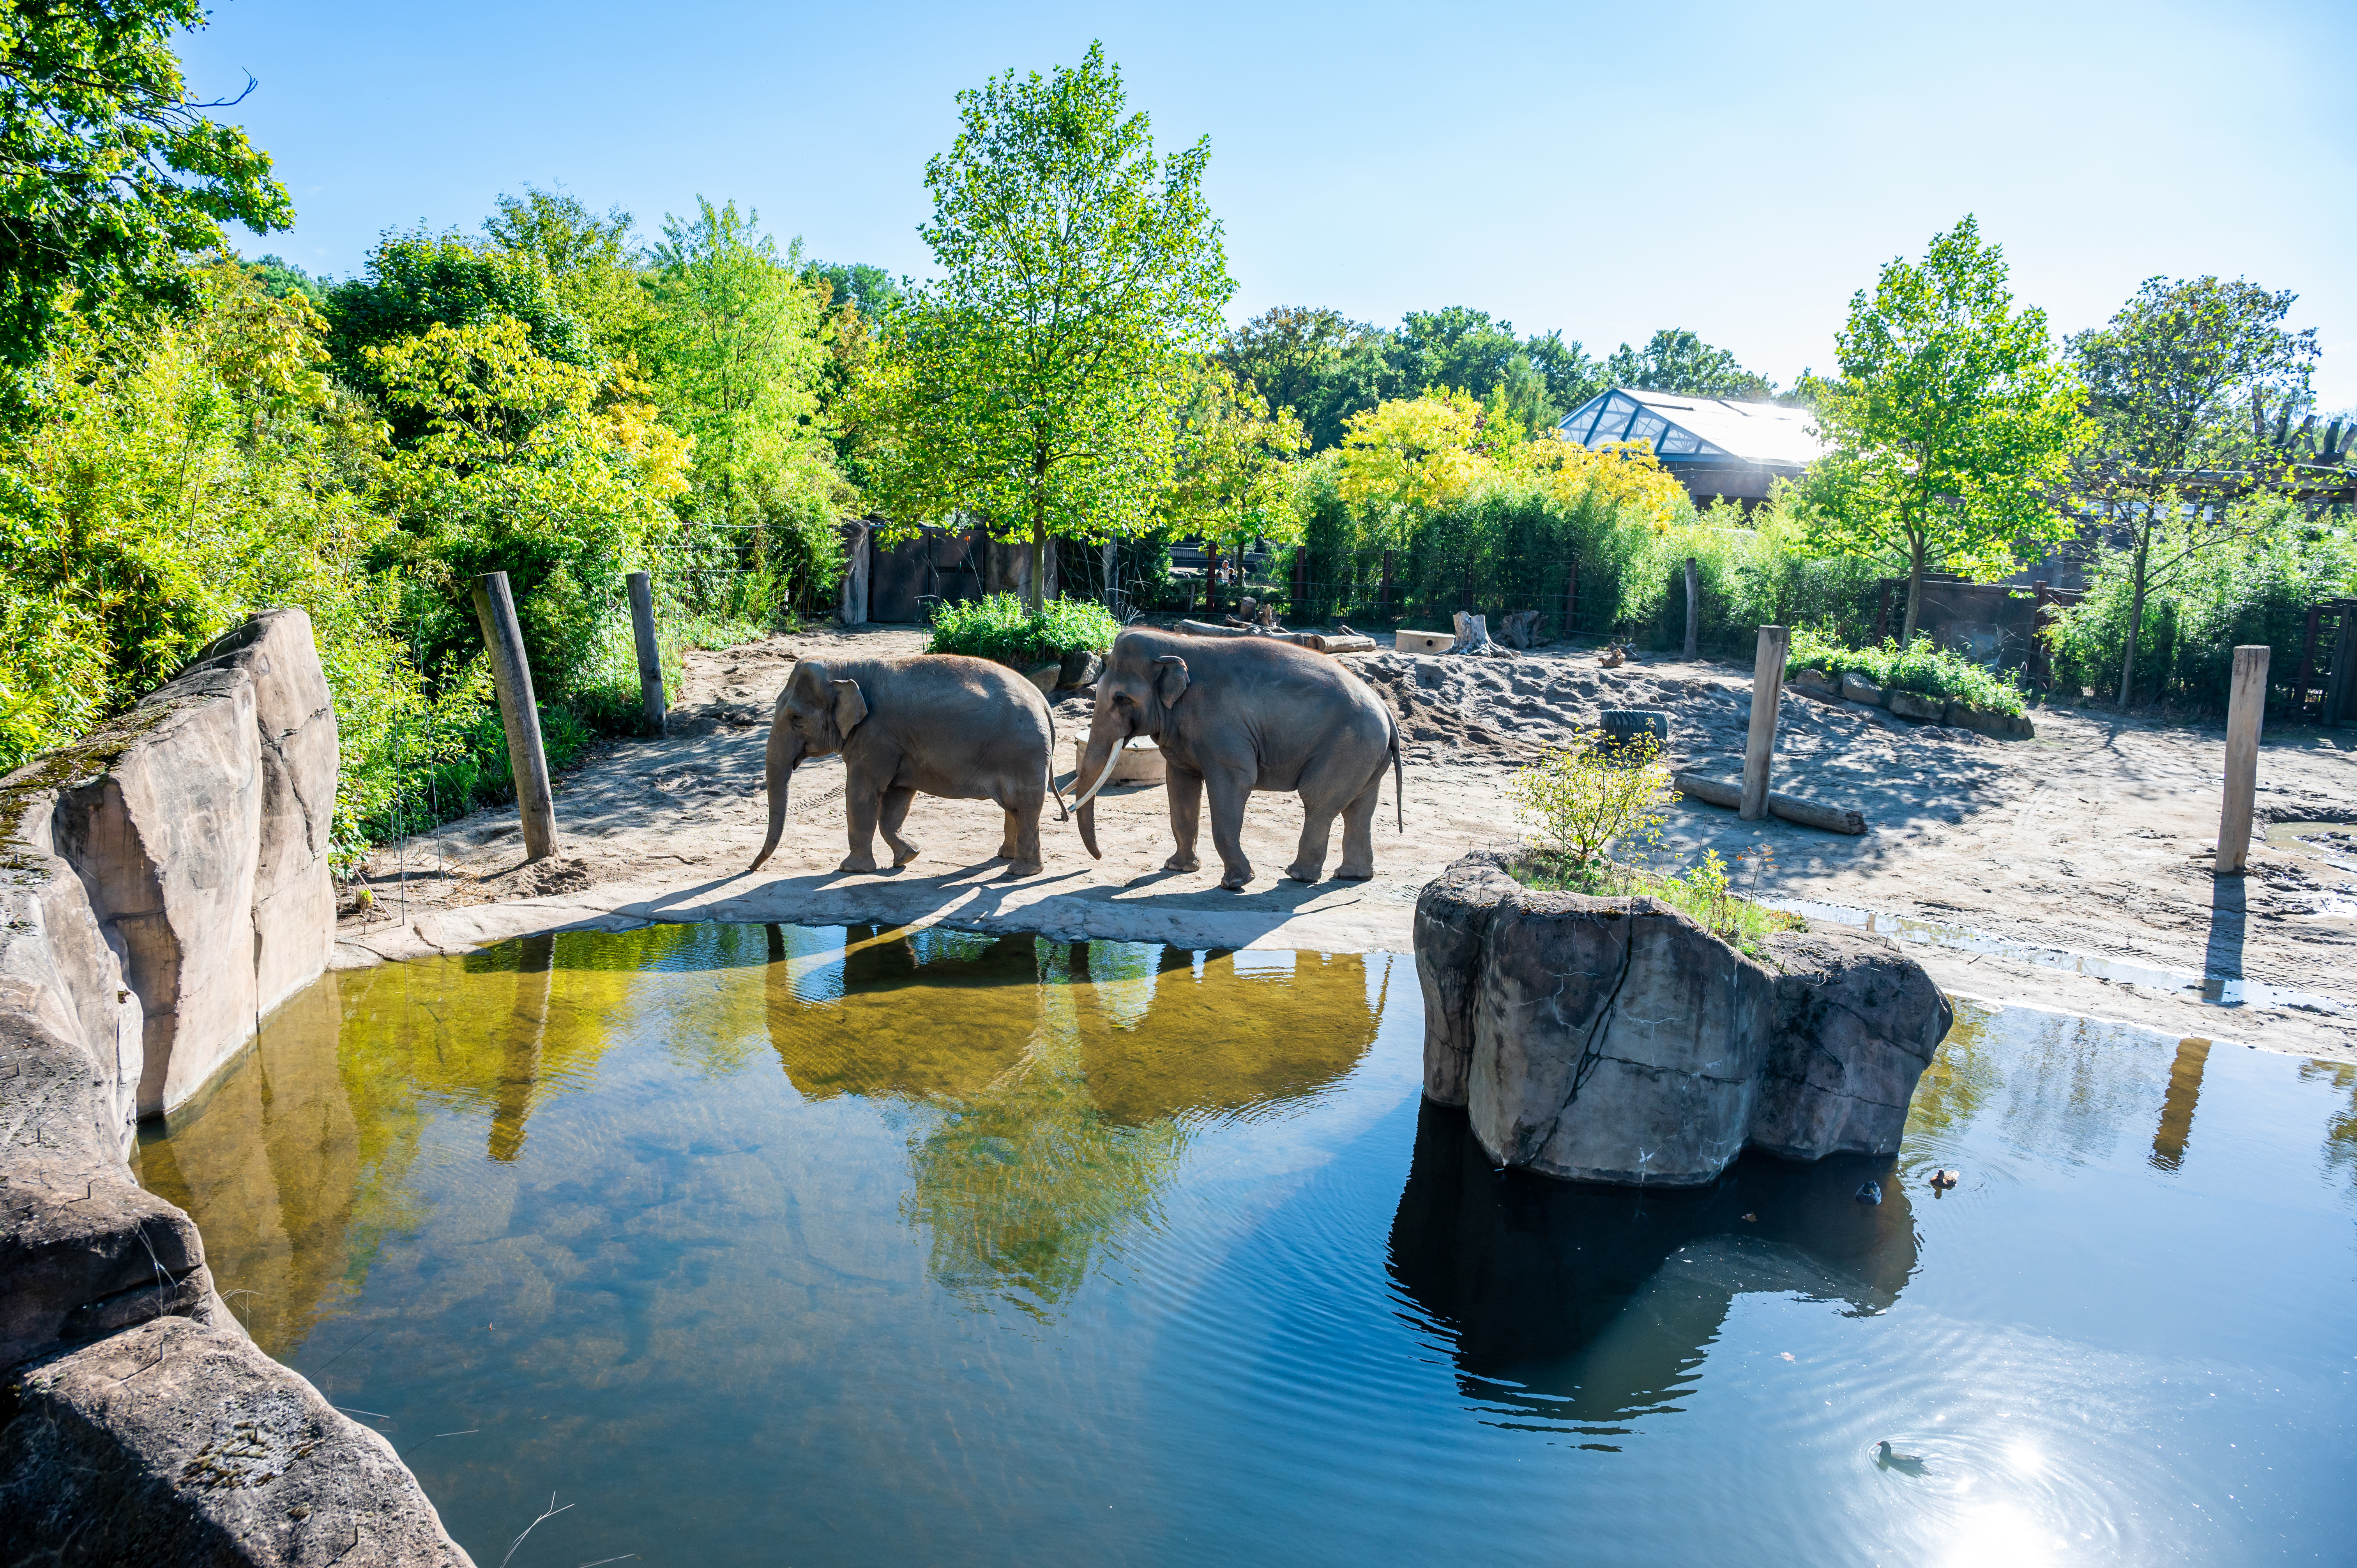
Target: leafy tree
<point>869,290</point>
<point>1676,361</point>
<point>592,260</point>
<point>737,357</point>
<point>2180,380</point>
<point>1568,374</point>
<point>1951,426</point>
<point>281,277</point>
<point>1408,456</point>
<point>1234,480</point>
<point>1035,383</point>
<point>1287,353</point>
<point>110,172</point>
<point>417,281</point>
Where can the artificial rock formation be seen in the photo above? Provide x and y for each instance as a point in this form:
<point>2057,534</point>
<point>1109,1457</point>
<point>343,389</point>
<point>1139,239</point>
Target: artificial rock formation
<point>1615,1040</point>
<point>164,882</point>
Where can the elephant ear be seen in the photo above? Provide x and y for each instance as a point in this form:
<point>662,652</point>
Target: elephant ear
<point>1169,679</point>
<point>850,707</point>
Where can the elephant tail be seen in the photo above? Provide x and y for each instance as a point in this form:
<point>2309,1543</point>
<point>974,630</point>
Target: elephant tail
<point>1399,780</point>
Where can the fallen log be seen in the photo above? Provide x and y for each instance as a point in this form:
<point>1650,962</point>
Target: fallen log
<point>1316,641</point>
<point>1791,808</point>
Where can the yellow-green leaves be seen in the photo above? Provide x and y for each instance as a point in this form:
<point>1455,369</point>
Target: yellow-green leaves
<point>1408,456</point>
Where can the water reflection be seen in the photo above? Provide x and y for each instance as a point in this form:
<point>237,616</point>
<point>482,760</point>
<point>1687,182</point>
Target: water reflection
<point>2177,1107</point>
<point>1588,1307</point>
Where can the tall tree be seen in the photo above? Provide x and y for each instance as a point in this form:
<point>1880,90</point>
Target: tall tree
<point>1287,353</point>
<point>110,170</point>
<point>1676,361</point>
<point>1951,425</point>
<point>592,259</point>
<point>1036,382</point>
<point>1234,480</point>
<point>1567,371</point>
<point>2180,380</point>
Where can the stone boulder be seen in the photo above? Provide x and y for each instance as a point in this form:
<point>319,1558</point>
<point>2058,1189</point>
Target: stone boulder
<point>1856,1024</point>
<point>176,1443</point>
<point>1615,1040</point>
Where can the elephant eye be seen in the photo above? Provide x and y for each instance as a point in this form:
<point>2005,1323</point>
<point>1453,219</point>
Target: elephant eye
<point>1120,698</point>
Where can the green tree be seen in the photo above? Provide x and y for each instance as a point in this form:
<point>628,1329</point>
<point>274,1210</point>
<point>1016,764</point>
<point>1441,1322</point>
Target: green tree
<point>110,171</point>
<point>1233,477</point>
<point>737,354</point>
<point>1035,383</point>
<point>1287,353</point>
<point>1569,374</point>
<point>1676,361</point>
<point>869,290</point>
<point>592,260</point>
<point>2180,381</point>
<point>1951,426</point>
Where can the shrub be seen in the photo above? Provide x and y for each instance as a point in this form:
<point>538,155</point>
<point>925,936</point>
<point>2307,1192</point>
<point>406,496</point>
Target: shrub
<point>1919,667</point>
<point>1000,627</point>
<point>1588,797</point>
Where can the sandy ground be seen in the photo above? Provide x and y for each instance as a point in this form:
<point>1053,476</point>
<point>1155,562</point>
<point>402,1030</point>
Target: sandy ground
<point>2069,872</point>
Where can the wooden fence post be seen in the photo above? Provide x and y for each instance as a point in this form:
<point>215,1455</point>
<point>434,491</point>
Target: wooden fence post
<point>1760,744</point>
<point>2246,702</point>
<point>1694,606</point>
<point>519,714</point>
<point>642,630</point>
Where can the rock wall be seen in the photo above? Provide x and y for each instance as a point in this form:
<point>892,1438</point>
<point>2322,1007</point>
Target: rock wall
<point>162,883</point>
<point>1614,1040</point>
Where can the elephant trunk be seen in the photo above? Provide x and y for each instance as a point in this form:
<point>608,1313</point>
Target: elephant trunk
<point>785,755</point>
<point>1105,750</point>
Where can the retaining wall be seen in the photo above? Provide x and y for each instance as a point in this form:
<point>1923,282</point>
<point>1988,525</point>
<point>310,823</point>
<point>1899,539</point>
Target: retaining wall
<point>164,883</point>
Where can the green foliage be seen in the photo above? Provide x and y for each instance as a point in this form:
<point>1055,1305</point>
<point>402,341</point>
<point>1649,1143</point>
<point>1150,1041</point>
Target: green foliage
<point>2259,592</point>
<point>1001,628</point>
<point>1591,795</point>
<point>1951,425</point>
<point>591,260</point>
<point>109,173</point>
<point>868,290</point>
<point>1676,361</point>
<point>1755,569</point>
<point>1918,667</point>
<point>1705,892</point>
<point>1036,383</point>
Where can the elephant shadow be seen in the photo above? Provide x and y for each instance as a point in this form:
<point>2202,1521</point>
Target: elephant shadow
<point>1586,1307</point>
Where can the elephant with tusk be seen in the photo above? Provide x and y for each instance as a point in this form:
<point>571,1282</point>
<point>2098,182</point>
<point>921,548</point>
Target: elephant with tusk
<point>1237,714</point>
<point>964,729</point>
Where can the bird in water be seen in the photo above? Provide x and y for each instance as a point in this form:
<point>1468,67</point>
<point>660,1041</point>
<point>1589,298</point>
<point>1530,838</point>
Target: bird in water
<point>1869,1192</point>
<point>1890,1458</point>
<point>1944,1179</point>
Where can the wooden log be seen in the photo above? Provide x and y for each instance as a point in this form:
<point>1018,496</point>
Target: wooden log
<point>1316,641</point>
<point>642,632</point>
<point>519,714</point>
<point>1694,606</point>
<point>1472,631</point>
<point>1790,807</point>
<point>1760,744</point>
<point>2246,700</point>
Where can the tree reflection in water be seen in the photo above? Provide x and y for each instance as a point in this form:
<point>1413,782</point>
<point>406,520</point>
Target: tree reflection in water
<point>1588,1307</point>
<point>1052,1084</point>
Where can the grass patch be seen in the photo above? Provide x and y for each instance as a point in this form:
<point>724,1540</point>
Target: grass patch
<point>1919,668</point>
<point>1701,893</point>
<point>1000,627</point>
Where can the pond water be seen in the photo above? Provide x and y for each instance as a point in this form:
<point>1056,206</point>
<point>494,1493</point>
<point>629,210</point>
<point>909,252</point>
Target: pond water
<point>782,1245</point>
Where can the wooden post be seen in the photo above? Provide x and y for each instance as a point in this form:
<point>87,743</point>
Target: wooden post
<point>1759,746</point>
<point>1210,578</point>
<point>2247,701</point>
<point>511,675</point>
<point>642,629</point>
<point>1694,606</point>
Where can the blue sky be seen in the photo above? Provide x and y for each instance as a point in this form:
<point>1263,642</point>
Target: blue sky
<point>1736,170</point>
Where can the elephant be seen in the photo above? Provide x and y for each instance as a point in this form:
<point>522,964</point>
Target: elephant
<point>964,729</point>
<point>1244,713</point>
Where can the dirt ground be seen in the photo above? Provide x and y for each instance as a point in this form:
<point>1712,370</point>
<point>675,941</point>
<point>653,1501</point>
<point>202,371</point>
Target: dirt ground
<point>2071,872</point>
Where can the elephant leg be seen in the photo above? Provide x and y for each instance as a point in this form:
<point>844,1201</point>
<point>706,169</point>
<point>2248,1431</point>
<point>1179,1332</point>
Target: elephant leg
<point>1317,827</point>
<point>1359,833</point>
<point>896,805</point>
<point>1186,792</point>
<point>1230,789</point>
<point>1022,845</point>
<point>1006,840</point>
<point>860,807</point>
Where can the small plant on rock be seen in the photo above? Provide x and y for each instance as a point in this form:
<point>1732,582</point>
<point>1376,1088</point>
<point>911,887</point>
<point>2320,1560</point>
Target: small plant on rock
<point>1587,797</point>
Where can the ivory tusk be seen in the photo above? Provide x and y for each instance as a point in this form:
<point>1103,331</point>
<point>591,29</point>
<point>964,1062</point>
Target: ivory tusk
<point>1111,757</point>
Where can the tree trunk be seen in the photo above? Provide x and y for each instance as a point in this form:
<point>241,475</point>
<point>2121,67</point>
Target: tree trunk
<point>2136,616</point>
<point>1914,594</point>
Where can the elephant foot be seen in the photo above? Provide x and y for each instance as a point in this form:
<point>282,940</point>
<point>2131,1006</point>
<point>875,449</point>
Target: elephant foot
<point>1237,881</point>
<point>1182,862</point>
<point>1306,871</point>
<point>904,853</point>
<point>1348,872</point>
<point>857,863</point>
<point>1021,868</point>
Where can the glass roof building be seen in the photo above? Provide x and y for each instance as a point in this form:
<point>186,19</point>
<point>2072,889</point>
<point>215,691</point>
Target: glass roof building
<point>1714,446</point>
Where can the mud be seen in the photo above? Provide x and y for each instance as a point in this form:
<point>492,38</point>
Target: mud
<point>2094,839</point>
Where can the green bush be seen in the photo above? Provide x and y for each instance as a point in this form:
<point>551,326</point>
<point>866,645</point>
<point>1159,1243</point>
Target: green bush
<point>1000,627</point>
<point>1919,667</point>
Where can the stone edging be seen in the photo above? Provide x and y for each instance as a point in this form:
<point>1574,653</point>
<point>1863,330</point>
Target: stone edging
<point>162,883</point>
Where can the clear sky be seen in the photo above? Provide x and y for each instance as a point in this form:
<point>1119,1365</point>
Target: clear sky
<point>1734,169</point>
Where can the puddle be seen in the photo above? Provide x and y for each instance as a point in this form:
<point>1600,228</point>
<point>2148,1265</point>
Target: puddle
<point>2216,989</point>
<point>849,1246</point>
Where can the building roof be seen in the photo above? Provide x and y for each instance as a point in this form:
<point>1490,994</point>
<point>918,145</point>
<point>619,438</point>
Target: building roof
<point>1689,429</point>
